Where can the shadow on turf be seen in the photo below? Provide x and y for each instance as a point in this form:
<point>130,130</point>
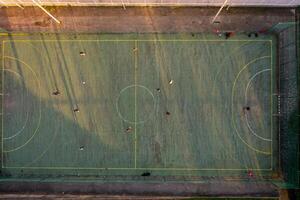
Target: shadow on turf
<point>56,134</point>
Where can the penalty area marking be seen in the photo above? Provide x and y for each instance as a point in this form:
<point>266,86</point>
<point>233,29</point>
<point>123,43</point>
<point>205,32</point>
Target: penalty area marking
<point>40,111</point>
<point>232,105</point>
<point>246,113</point>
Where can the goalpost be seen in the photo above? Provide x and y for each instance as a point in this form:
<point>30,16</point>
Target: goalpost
<point>47,12</point>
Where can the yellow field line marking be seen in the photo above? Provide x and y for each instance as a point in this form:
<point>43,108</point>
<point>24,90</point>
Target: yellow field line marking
<point>13,34</point>
<point>139,168</point>
<point>232,115</point>
<point>2,135</point>
<point>142,40</point>
<point>40,111</point>
<point>135,99</point>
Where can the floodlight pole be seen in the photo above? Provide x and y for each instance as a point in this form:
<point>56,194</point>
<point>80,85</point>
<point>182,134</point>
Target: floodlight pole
<point>123,4</point>
<point>18,4</point>
<point>46,11</point>
<point>214,19</point>
<point>3,3</point>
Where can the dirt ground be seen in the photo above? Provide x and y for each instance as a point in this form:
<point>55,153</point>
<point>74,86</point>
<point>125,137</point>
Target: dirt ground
<point>141,19</point>
<point>212,188</point>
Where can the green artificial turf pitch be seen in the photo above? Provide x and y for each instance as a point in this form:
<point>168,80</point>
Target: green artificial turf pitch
<point>216,118</point>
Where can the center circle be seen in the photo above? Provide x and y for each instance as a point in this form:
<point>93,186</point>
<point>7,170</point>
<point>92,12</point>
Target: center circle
<point>135,104</point>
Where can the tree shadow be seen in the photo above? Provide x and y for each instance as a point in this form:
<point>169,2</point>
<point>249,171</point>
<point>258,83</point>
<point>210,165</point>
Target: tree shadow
<point>61,146</point>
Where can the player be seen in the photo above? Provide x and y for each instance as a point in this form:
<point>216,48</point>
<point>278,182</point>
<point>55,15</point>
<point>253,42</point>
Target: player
<point>250,174</point>
<point>56,93</point>
<point>246,109</point>
<point>128,129</point>
<point>228,35</point>
<point>254,33</point>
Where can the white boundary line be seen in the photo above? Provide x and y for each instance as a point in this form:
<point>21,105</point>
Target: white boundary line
<point>186,169</point>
